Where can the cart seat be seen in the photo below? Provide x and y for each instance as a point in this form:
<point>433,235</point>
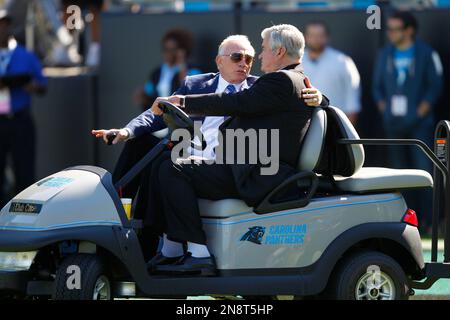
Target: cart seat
<point>347,163</point>
<point>222,208</point>
<point>309,158</point>
<point>377,179</point>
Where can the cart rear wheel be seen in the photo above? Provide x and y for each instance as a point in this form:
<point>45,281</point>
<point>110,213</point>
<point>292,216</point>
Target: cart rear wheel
<point>82,277</point>
<point>369,275</point>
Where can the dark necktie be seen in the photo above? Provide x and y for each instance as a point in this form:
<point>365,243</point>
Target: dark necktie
<point>230,89</point>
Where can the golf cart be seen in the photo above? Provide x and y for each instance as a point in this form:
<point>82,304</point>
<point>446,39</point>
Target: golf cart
<point>348,235</point>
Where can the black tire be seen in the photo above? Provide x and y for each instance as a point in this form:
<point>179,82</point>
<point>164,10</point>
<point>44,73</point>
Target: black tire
<point>5,296</point>
<point>259,298</point>
<point>10,295</point>
<point>91,269</point>
<point>270,298</point>
<point>354,273</point>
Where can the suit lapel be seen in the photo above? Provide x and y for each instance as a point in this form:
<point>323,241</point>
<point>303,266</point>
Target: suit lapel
<point>225,123</point>
<point>209,86</point>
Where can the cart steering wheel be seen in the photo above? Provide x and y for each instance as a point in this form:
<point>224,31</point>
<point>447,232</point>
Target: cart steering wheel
<point>175,118</point>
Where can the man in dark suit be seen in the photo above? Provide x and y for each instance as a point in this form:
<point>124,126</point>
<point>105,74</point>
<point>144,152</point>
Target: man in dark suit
<point>274,102</point>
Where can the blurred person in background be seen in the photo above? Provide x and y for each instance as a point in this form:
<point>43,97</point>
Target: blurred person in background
<point>20,77</point>
<point>176,45</point>
<point>331,70</point>
<point>95,7</point>
<point>407,83</point>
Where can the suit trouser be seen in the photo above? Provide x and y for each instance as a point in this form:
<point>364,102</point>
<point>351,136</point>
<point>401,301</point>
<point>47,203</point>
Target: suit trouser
<point>175,189</point>
<point>18,138</point>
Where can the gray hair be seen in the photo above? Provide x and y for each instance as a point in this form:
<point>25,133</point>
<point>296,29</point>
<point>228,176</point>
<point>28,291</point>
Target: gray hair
<point>238,38</point>
<point>286,36</point>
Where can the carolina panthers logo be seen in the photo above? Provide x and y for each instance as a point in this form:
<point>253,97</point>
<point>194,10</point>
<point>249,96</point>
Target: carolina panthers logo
<point>254,234</point>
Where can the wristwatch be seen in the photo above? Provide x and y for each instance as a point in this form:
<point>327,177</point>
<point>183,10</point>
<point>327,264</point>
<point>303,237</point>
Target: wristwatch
<point>182,102</point>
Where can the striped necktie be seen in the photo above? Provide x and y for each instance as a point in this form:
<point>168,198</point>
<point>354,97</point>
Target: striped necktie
<point>230,89</point>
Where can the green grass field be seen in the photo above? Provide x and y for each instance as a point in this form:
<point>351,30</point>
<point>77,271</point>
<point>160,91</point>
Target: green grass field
<point>441,289</point>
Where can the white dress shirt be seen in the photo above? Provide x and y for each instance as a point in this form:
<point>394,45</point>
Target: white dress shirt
<point>211,124</point>
<point>164,86</point>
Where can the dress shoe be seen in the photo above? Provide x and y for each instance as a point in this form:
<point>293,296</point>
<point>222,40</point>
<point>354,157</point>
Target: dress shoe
<point>190,265</point>
<point>160,260</point>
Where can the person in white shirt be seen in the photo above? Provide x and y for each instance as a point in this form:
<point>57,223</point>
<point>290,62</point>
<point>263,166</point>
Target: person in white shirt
<point>332,71</point>
<point>176,49</point>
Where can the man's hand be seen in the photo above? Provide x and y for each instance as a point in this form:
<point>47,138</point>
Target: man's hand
<point>172,99</point>
<point>176,100</point>
<point>424,109</point>
<point>312,97</point>
<point>30,87</point>
<point>34,87</point>
<point>121,134</point>
<point>381,106</point>
<point>155,106</point>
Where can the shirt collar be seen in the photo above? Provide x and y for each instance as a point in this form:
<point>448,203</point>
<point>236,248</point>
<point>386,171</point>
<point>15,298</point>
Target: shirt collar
<point>322,56</point>
<point>221,86</point>
<point>12,45</point>
<point>296,66</point>
<point>166,68</point>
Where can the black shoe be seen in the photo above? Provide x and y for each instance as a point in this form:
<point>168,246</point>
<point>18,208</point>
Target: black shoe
<point>160,260</point>
<point>190,265</point>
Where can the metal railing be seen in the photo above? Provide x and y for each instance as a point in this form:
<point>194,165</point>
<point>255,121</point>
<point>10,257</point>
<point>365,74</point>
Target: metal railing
<point>441,187</point>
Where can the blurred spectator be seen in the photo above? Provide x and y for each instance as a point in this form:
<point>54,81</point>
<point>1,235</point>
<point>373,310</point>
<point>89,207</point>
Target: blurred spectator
<point>407,83</point>
<point>20,76</point>
<point>95,7</point>
<point>176,47</point>
<point>330,70</point>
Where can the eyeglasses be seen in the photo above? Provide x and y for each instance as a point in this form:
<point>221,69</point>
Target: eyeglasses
<point>170,49</point>
<point>395,29</point>
<point>238,56</point>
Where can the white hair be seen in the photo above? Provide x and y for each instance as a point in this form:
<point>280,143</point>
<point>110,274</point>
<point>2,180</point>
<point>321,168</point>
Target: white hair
<point>242,39</point>
<point>286,36</point>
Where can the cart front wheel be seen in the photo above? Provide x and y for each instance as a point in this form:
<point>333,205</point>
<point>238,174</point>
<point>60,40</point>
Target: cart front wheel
<point>82,277</point>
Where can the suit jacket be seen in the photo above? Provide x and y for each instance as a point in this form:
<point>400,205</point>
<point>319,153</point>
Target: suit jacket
<point>273,102</point>
<point>147,122</point>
